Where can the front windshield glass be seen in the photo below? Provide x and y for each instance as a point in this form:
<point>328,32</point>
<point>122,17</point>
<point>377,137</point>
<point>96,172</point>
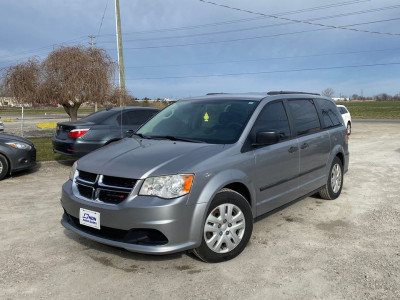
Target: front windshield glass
<point>216,121</point>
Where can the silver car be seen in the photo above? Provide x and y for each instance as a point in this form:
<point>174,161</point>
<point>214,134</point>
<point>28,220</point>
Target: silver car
<point>197,174</point>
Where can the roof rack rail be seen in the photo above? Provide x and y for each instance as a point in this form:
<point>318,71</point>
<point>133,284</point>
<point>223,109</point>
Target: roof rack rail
<point>210,94</point>
<point>290,92</point>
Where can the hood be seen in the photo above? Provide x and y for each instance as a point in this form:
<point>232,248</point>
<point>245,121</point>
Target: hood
<point>141,158</point>
<point>5,138</point>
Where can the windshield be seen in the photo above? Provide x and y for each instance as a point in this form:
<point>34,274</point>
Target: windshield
<point>215,121</point>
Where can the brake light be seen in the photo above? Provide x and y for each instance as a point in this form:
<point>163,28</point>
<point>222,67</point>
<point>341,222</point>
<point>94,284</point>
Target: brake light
<point>75,133</point>
<point>347,135</point>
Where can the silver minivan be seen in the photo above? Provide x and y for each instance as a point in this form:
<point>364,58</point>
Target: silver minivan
<point>197,174</point>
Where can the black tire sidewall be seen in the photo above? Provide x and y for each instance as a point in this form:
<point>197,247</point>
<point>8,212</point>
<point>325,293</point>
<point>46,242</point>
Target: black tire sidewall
<point>332,194</point>
<point>232,197</point>
<point>4,162</point>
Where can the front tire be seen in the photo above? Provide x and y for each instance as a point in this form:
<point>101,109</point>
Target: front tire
<point>4,168</point>
<point>334,184</point>
<point>227,227</point>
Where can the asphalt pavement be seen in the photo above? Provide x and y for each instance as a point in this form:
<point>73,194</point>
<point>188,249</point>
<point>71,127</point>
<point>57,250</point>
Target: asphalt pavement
<point>348,248</point>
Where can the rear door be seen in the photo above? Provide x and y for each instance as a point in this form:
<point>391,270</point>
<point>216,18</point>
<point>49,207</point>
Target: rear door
<point>314,144</point>
<point>277,166</point>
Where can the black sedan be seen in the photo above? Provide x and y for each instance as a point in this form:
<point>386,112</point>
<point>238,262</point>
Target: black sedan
<point>78,138</point>
<point>16,154</point>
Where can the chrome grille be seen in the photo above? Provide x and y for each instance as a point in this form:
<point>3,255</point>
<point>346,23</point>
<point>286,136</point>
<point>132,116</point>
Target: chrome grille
<point>107,189</point>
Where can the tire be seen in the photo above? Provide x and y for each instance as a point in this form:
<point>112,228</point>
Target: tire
<point>227,235</point>
<point>348,128</point>
<point>4,168</point>
<point>334,183</point>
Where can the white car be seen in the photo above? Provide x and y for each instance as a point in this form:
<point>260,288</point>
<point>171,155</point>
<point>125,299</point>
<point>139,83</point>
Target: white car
<point>346,117</point>
<point>1,126</point>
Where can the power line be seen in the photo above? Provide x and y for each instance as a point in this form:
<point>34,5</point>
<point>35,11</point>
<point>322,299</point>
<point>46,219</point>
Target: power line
<point>42,49</point>
<point>265,59</point>
<point>246,29</point>
<point>268,72</point>
<point>298,21</point>
<point>102,19</point>
<point>243,20</point>
<point>251,38</point>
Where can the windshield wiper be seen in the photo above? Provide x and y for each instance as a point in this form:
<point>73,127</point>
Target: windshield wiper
<point>175,138</point>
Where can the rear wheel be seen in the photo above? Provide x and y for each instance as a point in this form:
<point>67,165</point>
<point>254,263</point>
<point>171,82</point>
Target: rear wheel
<point>227,228</point>
<point>3,166</point>
<point>348,128</point>
<point>334,184</point>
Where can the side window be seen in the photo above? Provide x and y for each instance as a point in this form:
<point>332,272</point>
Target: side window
<point>330,114</point>
<point>272,117</point>
<point>135,117</point>
<point>305,116</point>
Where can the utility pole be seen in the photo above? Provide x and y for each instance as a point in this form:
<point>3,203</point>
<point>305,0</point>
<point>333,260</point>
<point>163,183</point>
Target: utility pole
<point>120,51</point>
<point>92,43</point>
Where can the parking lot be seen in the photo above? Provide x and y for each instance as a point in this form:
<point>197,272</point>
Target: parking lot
<point>348,248</point>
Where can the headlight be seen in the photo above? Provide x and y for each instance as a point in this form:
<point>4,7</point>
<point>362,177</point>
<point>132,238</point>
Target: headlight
<point>73,170</point>
<point>167,186</point>
<point>19,145</point>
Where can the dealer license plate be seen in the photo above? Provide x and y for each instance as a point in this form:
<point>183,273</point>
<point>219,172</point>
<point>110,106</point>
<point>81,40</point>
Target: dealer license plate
<point>89,218</point>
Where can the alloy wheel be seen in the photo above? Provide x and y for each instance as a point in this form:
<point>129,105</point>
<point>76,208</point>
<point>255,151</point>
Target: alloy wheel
<point>336,178</point>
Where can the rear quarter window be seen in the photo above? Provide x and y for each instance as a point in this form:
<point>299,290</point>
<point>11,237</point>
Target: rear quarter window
<point>330,115</point>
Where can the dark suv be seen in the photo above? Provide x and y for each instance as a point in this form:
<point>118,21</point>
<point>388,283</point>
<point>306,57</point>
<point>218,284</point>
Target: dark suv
<point>196,175</point>
<point>98,129</point>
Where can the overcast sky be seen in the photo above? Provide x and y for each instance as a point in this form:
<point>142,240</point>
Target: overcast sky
<point>181,48</point>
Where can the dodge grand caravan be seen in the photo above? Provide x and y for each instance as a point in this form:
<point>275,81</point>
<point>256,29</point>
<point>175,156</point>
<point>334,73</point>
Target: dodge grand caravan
<point>196,175</point>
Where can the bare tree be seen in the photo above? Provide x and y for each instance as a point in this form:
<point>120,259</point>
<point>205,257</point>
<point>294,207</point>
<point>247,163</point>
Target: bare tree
<point>75,75</point>
<point>329,92</point>
<point>22,81</point>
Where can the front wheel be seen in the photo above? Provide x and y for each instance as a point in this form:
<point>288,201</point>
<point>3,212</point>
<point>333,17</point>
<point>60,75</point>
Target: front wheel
<point>3,167</point>
<point>334,184</point>
<point>227,227</point>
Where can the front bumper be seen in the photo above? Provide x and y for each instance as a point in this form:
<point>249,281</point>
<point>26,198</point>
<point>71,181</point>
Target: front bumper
<point>22,159</point>
<point>180,223</point>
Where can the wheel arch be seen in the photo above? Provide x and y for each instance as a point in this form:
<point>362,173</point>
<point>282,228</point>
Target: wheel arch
<point>10,166</point>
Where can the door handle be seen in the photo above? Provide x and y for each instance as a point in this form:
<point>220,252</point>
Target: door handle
<point>293,149</point>
<point>304,146</point>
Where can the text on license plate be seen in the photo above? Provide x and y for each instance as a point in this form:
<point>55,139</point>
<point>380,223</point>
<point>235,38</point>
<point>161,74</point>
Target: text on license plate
<point>89,218</point>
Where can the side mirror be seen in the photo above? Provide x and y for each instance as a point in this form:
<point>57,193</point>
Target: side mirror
<point>264,138</point>
<point>130,132</point>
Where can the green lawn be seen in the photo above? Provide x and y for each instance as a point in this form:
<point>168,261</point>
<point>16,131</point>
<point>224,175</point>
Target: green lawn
<point>373,110</point>
<point>41,111</point>
<point>44,150</point>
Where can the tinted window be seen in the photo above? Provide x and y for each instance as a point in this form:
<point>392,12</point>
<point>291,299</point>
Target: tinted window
<point>99,116</point>
<point>330,114</point>
<point>272,118</point>
<point>135,117</point>
<point>305,116</point>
